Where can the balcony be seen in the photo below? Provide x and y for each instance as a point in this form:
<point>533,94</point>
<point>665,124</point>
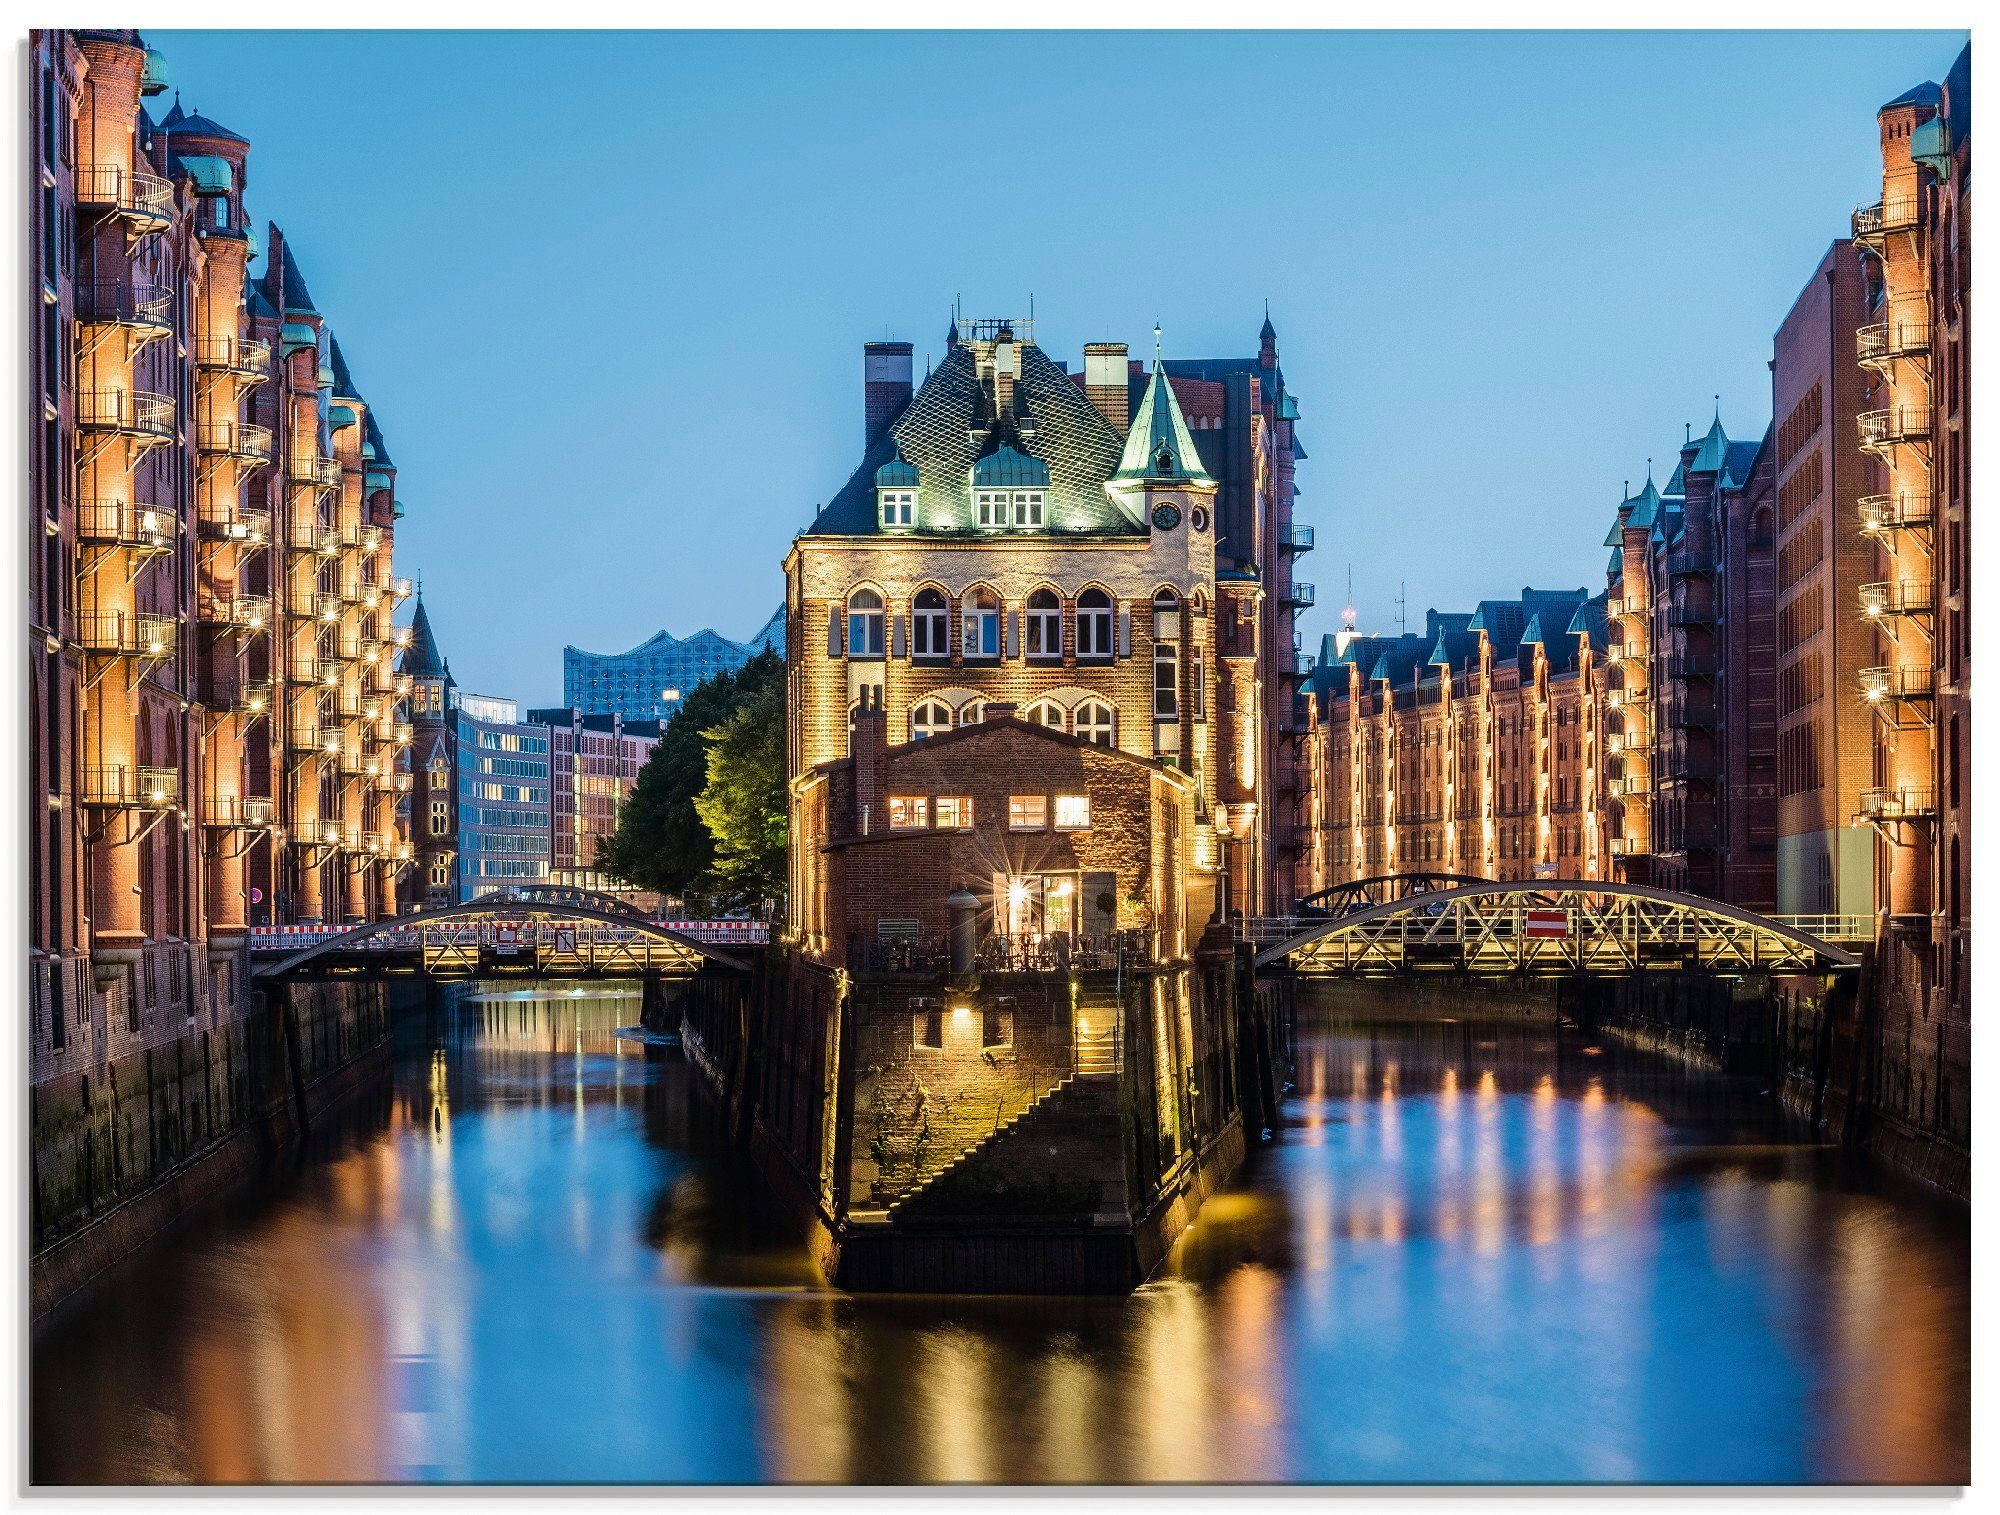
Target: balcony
<point>1295,538</point>
<point>318,832</point>
<point>239,524</point>
<point>1692,715</point>
<point>1882,513</point>
<point>242,358</point>
<point>1687,562</point>
<point>138,306</point>
<point>243,697</point>
<point>1684,619</point>
<point>403,734</point>
<point>130,788</point>
<point>400,783</point>
<point>311,605</point>
<point>1299,596</point>
<point>1630,787</point>
<point>1896,597</point>
<point>1883,431</point>
<point>401,588</point>
<point>137,415</point>
<point>238,812</point>
<point>244,441</point>
<point>1899,802</point>
<point>1691,665</point>
<point>306,739</point>
<point>128,634</point>
<point>145,202</point>
<point>352,764</point>
<point>313,472</point>
<point>309,534</point>
<point>241,612</point>
<point>1873,224</point>
<point>1877,346</point>
<point>127,524</point>
<point>1887,684</point>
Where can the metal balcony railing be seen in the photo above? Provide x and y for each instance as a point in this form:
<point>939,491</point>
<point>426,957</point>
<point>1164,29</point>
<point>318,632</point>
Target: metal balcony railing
<point>306,738</point>
<point>1872,224</point>
<point>320,832</point>
<point>127,523</point>
<point>121,787</point>
<point>122,633</point>
<point>139,305</point>
<point>1690,562</point>
<point>401,782</point>
<point>245,612</point>
<point>136,413</point>
<point>245,441</point>
<point>243,697</point>
<point>245,357</point>
<point>239,812</point>
<point>1691,665</point>
<point>309,534</point>
<point>1296,537</point>
<point>1879,344</point>
<point>1896,597</point>
<point>401,588</point>
<point>313,471</point>
<point>1300,595</point>
<point>231,522</point>
<point>1898,802</point>
<point>1894,512</point>
<point>1910,682</point>
<point>143,198</point>
<point>311,605</point>
<point>1883,431</point>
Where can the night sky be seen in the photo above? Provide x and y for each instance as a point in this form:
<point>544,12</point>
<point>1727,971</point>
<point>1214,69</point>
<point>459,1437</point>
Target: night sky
<point>607,291</point>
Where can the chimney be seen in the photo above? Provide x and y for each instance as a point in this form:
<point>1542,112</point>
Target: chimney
<point>999,710</point>
<point>870,746</point>
<point>1104,375</point>
<point>887,369</point>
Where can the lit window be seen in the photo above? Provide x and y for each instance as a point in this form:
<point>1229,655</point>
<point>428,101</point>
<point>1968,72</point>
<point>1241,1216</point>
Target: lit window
<point>972,712</point>
<point>864,624</point>
<point>1047,713</point>
<point>1166,681</point>
<point>899,507</point>
<point>992,506</point>
<point>909,812</point>
<point>1044,625</point>
<point>1072,812</point>
<point>1028,507</point>
<point>1095,723</point>
<point>929,718</point>
<point>954,810</point>
<point>1027,812</point>
<point>1093,624</point>
<point>440,817</point>
<point>982,624</point>
<point>930,625</point>
<point>441,871</point>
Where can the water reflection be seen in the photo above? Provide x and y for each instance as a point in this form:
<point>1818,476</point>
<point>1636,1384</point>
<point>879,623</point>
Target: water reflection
<point>1475,1253</point>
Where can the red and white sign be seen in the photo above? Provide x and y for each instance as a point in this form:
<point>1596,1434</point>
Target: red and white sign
<point>1545,924</point>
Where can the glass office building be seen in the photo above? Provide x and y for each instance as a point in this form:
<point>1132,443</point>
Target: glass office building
<point>648,682</point>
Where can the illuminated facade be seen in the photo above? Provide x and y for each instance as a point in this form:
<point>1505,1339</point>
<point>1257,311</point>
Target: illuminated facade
<point>215,732</point>
<point>1016,536</point>
<point>594,760</point>
<point>1478,747</point>
<point>647,683</point>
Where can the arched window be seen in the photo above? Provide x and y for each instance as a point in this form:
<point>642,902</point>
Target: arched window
<point>1096,724</point>
<point>1047,713</point>
<point>929,718</point>
<point>1044,629</point>
<point>1093,624</point>
<point>864,624</point>
<point>441,871</point>
<point>972,712</point>
<point>1166,614</point>
<point>930,625</point>
<point>982,624</point>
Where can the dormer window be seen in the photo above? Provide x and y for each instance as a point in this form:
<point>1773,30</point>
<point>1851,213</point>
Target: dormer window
<point>995,508</point>
<point>1009,491</point>
<point>896,494</point>
<point>899,507</point>
<point>1028,507</point>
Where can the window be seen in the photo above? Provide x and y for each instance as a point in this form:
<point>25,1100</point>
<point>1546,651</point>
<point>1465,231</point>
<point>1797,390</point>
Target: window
<point>1028,507</point>
<point>222,212</point>
<point>440,817</point>
<point>982,624</point>
<point>929,718</point>
<point>864,624</point>
<point>1166,681</point>
<point>1095,724</point>
<point>1167,615</point>
<point>930,625</point>
<point>441,871</point>
<point>954,810</point>
<point>1044,625</point>
<point>992,507</point>
<point>1047,713</point>
<point>1197,682</point>
<point>909,812</point>
<point>972,712</point>
<point>899,507</point>
<point>1027,812</point>
<point>1072,812</point>
<point>1093,624</point>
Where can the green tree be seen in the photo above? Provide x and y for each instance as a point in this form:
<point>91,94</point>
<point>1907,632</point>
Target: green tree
<point>743,803</point>
<point>661,842</point>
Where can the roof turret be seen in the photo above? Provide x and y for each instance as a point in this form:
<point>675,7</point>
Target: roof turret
<point>421,658</point>
<point>1159,445</point>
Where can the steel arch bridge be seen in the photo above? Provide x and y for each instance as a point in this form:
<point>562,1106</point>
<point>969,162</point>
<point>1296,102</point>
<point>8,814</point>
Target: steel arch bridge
<point>1551,928</point>
<point>504,934</point>
<point>1344,898</point>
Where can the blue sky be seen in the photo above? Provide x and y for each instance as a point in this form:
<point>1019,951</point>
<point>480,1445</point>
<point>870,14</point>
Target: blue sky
<point>607,291</point>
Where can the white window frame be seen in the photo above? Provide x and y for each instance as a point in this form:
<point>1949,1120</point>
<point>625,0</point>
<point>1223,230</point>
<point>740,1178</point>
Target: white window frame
<point>978,621</point>
<point>899,507</point>
<point>1166,681</point>
<point>1071,812</point>
<point>1027,812</point>
<point>921,726</point>
<point>1041,709</point>
<point>1096,627</point>
<point>1095,722</point>
<point>1030,508</point>
<point>993,508</point>
<point>1044,625</point>
<point>865,625</point>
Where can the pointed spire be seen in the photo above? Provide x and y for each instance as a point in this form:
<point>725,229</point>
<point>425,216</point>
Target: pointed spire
<point>421,658</point>
<point>1270,332</point>
<point>1159,445</point>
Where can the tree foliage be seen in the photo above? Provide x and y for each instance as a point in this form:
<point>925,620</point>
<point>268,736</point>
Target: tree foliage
<point>743,803</point>
<point>662,842</point>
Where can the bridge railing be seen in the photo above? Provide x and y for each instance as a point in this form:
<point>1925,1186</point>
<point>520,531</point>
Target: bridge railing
<point>403,939</point>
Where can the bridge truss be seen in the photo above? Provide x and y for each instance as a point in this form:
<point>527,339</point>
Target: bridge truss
<point>1551,928</point>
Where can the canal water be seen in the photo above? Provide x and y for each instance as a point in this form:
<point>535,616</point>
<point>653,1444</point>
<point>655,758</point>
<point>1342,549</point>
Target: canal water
<point>1474,1252</point>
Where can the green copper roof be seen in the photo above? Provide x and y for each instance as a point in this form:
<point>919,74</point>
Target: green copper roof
<point>1288,408</point>
<point>375,479</point>
<point>1532,632</point>
<point>294,336</point>
<point>368,452</point>
<point>1617,563</point>
<point>341,415</point>
<point>155,78</point>
<point>1645,506</point>
<point>325,377</point>
<point>1003,467</point>
<point>1713,452</point>
<point>212,176</point>
<point>1930,145</point>
<point>1159,445</point>
<point>898,473</point>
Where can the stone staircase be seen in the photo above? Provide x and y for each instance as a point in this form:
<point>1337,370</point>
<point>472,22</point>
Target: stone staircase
<point>1063,1153</point>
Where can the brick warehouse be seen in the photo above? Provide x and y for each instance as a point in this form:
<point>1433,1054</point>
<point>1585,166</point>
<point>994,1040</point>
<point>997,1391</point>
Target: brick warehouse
<point>215,740</point>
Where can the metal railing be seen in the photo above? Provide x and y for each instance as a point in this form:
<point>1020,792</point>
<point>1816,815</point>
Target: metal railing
<point>242,697</point>
<point>1872,223</point>
<point>1893,597</point>
<point>246,357</point>
<point>238,812</point>
<point>127,523</point>
<point>311,605</point>
<point>1898,802</point>
<point>1296,538</point>
<point>314,471</point>
<point>121,633</point>
<point>229,521</point>
<point>1907,682</point>
<point>1691,665</point>
<point>244,440</point>
<point>1882,341</point>
<point>1885,512</point>
<point>1883,430</point>
<point>128,192</point>
<point>248,612</point>
<point>120,787</point>
<point>136,303</point>
<point>128,412</point>
<point>317,831</point>
<point>1300,595</point>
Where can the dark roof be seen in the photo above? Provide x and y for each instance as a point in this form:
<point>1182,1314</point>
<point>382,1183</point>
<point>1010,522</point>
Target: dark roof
<point>421,658</point>
<point>1926,93</point>
<point>372,434</point>
<point>296,296</point>
<point>186,124</point>
<point>343,381</point>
